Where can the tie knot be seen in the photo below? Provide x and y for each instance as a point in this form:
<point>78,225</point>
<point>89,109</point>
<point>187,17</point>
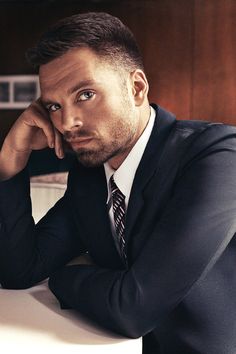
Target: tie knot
<point>115,191</point>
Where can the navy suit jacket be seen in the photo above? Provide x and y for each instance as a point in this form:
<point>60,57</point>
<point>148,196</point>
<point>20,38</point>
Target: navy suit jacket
<point>180,281</point>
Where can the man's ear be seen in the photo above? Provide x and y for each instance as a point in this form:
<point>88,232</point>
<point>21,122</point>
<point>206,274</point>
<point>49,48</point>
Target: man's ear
<point>140,86</point>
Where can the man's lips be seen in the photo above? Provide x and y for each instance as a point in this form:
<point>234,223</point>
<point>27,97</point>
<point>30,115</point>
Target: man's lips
<point>76,142</point>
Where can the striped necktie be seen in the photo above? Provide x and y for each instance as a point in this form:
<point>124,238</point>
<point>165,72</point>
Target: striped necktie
<point>118,201</point>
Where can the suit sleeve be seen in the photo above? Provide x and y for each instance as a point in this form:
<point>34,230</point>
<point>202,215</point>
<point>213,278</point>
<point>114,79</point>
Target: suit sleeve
<point>29,253</point>
<point>195,228</point>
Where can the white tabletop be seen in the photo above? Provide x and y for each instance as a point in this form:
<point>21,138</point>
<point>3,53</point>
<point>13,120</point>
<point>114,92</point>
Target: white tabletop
<point>31,322</point>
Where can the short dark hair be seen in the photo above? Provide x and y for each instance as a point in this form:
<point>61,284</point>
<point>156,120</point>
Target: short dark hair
<point>105,34</point>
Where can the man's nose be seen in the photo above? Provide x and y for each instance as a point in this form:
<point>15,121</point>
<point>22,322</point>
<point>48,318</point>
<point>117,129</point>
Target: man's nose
<point>71,119</point>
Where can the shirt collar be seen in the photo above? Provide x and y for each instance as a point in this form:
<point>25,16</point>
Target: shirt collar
<point>124,175</point>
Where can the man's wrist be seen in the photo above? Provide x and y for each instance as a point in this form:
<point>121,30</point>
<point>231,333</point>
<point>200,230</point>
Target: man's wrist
<point>12,162</point>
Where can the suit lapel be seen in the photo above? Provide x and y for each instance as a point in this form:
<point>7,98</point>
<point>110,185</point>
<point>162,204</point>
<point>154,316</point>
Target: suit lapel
<point>91,196</point>
<point>149,163</point>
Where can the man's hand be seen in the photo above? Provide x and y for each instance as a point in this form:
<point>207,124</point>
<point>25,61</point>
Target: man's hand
<point>33,130</point>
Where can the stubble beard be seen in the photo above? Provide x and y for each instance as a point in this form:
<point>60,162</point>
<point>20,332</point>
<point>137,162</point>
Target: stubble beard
<point>104,152</point>
<point>120,142</point>
<point>92,158</point>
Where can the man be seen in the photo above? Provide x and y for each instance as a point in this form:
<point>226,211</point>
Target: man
<point>151,199</point>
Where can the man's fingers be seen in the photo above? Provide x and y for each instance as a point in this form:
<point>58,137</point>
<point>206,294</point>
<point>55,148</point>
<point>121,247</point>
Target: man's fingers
<point>58,144</point>
<point>50,135</point>
<point>42,120</point>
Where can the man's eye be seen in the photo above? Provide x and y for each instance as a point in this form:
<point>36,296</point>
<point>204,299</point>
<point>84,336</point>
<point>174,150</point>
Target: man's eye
<point>86,95</point>
<point>53,107</point>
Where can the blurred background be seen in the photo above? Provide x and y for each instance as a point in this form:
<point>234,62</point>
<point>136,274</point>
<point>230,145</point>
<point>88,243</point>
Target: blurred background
<point>188,48</point>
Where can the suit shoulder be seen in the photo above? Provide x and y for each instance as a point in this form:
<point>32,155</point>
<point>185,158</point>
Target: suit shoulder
<point>206,138</point>
<point>192,139</point>
<point>196,128</point>
<point>200,125</point>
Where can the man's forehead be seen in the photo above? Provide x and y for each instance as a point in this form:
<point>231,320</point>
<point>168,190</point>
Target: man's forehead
<point>81,63</point>
<point>56,70</point>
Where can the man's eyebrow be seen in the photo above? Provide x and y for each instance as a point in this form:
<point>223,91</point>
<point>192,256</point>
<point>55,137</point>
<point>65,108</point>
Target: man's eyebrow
<point>79,86</point>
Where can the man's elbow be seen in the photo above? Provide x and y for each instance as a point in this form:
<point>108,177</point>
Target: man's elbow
<point>16,283</point>
<point>132,325</point>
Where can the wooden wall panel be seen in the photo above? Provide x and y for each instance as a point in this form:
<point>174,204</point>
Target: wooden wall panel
<point>164,33</point>
<point>214,55</point>
<point>187,45</point>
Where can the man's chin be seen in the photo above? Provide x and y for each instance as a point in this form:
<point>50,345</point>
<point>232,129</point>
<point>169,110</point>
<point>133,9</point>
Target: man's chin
<point>90,159</point>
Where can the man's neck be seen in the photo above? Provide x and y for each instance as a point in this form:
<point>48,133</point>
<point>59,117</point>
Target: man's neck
<point>116,161</point>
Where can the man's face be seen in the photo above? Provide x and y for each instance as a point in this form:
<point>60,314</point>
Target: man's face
<point>92,105</point>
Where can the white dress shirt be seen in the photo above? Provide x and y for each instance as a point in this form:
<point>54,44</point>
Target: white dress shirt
<point>124,175</point>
